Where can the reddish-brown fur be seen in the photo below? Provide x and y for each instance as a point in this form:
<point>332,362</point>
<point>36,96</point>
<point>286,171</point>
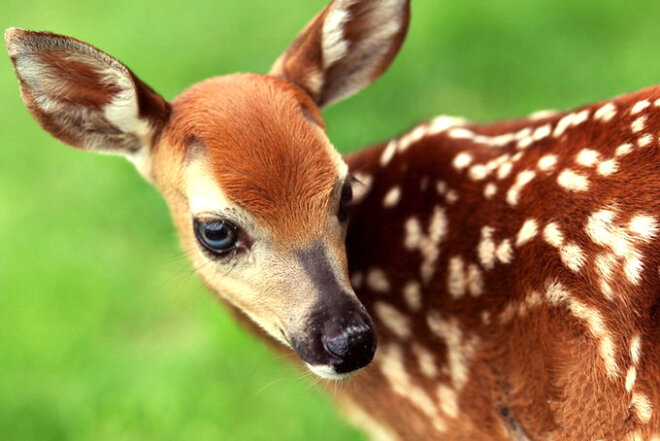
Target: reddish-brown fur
<point>542,372</point>
<point>274,168</point>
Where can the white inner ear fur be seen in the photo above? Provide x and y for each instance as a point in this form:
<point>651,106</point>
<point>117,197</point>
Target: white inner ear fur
<point>123,112</point>
<point>334,44</point>
<point>384,22</point>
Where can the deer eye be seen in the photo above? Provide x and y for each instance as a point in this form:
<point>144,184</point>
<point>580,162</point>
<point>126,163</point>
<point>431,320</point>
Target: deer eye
<point>218,236</point>
<point>345,202</point>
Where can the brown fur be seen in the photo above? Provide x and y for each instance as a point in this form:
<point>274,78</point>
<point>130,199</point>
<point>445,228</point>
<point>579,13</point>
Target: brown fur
<point>543,368</point>
<point>274,166</point>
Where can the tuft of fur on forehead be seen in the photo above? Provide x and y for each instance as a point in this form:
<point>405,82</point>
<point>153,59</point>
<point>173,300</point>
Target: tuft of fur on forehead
<point>266,147</point>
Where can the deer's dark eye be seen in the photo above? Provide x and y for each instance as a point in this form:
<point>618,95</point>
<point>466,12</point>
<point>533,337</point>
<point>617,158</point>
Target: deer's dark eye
<point>345,202</point>
<point>219,237</point>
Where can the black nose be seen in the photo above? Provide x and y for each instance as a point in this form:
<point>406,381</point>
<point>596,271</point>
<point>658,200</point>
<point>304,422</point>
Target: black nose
<point>352,347</point>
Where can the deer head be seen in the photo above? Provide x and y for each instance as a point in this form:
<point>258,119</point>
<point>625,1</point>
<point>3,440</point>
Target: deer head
<point>257,192</point>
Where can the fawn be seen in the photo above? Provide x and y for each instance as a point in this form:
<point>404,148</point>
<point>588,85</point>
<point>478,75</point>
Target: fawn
<point>511,269</point>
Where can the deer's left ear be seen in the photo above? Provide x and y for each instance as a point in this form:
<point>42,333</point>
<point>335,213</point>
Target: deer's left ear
<point>84,97</point>
<point>345,48</point>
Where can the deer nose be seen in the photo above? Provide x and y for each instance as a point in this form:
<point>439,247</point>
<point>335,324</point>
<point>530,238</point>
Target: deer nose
<point>351,347</point>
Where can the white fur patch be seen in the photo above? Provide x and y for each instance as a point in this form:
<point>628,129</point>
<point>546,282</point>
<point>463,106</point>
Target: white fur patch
<point>377,280</point>
<point>547,162</point>
<point>390,359</point>
<point>388,153</point>
<point>523,178</point>
<point>643,226</point>
<point>490,190</point>
<point>393,319</point>
<point>428,244</point>
<point>606,112</point>
<point>462,160</point>
<point>623,150</point>
<point>412,294</point>
<point>608,167</point>
<point>638,125</point>
<point>460,350</point>
<point>642,406</point>
<point>426,361</point>
<point>392,197</point>
<point>527,232</point>
<point>639,106</point>
<point>588,157</point>
<point>573,181</point>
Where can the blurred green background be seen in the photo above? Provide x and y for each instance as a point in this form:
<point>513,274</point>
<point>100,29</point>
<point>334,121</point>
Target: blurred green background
<point>105,334</point>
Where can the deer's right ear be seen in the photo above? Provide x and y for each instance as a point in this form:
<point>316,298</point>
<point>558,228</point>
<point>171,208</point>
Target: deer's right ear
<point>84,97</point>
<point>345,48</point>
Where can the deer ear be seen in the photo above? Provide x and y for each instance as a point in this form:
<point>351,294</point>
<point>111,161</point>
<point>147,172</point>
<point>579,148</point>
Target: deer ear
<point>345,48</point>
<point>84,97</point>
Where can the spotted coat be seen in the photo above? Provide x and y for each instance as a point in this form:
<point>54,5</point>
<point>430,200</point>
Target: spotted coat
<point>516,293</point>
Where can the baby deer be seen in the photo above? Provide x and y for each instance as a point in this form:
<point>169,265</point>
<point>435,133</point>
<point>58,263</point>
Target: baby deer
<point>512,269</point>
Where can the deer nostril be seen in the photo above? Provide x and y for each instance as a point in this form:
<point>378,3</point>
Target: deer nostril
<point>354,347</point>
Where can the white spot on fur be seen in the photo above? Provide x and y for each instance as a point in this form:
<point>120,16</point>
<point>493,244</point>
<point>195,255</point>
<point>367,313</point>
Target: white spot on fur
<point>451,197</point>
<point>459,350</point>
<point>377,280</point>
<point>448,401</point>
<point>456,277</point>
<point>393,319</point>
<point>642,406</point>
<point>392,197</point>
<point>412,294</point>
<point>388,153</point>
<point>462,160</point>
<point>636,349</point>
<point>527,232</point>
<point>504,251</point>
<point>475,280</point>
<point>390,358</point>
<point>587,157</point>
<point>639,106</point>
<point>504,170</point>
<point>490,190</point>
<point>631,377</point>
<point>553,235</point>
<point>357,279</point>
<point>478,172</point>
<point>542,132</point>
<point>623,150</point>
<point>609,167</point>
<point>487,248</point>
<point>644,140</point>
<point>606,112</point>
<point>638,125</point>
<point>427,244</point>
<point>572,256</point>
<point>523,178</point>
<point>572,181</point>
<point>547,162</point>
<point>643,226</point>
<point>426,361</point>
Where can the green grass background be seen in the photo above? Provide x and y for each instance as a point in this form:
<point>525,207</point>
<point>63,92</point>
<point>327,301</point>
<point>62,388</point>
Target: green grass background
<point>104,332</point>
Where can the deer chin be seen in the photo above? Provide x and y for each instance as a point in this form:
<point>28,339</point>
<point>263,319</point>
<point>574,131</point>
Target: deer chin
<point>327,372</point>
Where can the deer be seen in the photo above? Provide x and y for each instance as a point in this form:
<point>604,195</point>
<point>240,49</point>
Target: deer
<point>464,281</point>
